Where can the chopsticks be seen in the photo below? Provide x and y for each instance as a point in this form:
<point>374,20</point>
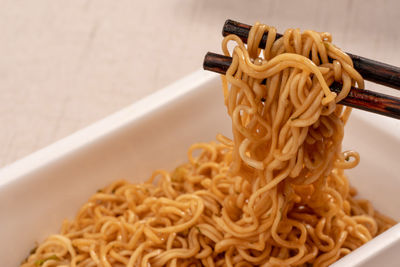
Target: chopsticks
<point>371,70</point>
<point>357,98</point>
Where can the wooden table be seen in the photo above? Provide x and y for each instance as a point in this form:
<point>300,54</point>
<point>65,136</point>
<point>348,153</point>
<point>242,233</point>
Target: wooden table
<point>65,64</point>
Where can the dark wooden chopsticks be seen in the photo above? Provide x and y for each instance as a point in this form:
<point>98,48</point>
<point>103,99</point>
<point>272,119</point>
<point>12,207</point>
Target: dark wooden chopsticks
<point>357,98</point>
<point>371,70</point>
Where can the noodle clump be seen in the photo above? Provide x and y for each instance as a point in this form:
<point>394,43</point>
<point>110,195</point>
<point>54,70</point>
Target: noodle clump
<point>275,195</point>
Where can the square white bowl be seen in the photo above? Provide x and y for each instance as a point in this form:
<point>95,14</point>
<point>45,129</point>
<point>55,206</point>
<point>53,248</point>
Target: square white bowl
<point>39,191</point>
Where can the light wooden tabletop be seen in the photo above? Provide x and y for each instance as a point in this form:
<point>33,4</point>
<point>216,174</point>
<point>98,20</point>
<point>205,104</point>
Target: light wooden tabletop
<point>66,64</point>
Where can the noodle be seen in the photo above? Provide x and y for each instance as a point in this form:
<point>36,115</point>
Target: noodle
<point>275,195</point>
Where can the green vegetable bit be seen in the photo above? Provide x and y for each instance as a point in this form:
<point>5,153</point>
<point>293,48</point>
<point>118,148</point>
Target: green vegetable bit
<point>40,262</point>
<point>295,118</point>
<point>198,229</point>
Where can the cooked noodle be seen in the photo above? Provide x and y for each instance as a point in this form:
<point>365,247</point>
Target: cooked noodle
<point>275,195</point>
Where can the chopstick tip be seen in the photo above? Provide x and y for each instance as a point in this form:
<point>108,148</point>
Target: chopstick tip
<point>227,24</point>
<point>206,60</point>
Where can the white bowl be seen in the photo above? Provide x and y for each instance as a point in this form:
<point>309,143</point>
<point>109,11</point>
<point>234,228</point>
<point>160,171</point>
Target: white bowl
<point>39,191</point>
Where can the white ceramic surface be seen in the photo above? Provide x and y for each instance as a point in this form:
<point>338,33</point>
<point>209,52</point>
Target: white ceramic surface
<point>39,191</point>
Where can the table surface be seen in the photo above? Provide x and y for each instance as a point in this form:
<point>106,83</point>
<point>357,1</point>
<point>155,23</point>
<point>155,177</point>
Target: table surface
<point>67,64</point>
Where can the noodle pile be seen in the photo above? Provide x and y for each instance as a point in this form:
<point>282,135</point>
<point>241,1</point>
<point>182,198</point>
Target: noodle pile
<point>275,195</point>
